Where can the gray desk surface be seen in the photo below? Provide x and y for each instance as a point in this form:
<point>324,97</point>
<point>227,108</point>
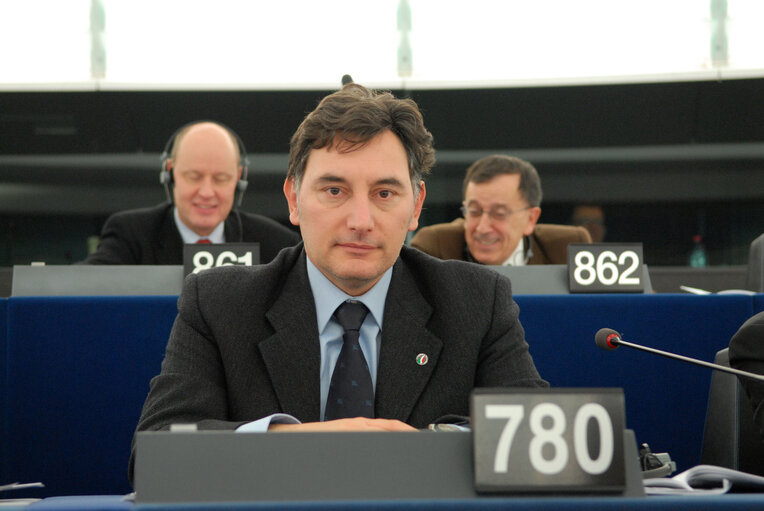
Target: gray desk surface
<point>63,280</point>
<point>667,279</point>
<point>547,279</point>
<point>110,280</point>
<point>218,466</point>
<point>83,280</point>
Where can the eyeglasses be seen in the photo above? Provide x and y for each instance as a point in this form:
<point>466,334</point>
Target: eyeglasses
<point>498,214</point>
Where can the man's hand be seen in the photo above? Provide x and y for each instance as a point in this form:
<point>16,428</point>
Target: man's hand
<point>356,424</point>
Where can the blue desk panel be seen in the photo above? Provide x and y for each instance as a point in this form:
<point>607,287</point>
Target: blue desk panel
<point>690,503</point>
<point>666,400</point>
<point>84,503</point>
<point>79,371</point>
<point>3,387</point>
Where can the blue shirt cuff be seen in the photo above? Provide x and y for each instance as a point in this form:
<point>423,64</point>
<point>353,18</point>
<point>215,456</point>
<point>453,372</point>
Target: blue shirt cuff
<point>262,425</point>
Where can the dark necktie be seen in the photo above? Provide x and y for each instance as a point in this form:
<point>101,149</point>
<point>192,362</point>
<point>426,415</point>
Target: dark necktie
<point>203,241</point>
<point>351,393</point>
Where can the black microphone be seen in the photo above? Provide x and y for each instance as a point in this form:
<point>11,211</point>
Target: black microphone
<point>609,339</point>
<point>346,79</point>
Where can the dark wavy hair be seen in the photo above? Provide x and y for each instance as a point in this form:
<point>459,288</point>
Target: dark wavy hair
<point>494,165</point>
<point>354,115</point>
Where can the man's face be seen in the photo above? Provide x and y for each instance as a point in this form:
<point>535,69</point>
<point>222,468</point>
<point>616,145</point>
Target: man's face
<point>354,210</point>
<point>205,171</point>
<point>491,240</point>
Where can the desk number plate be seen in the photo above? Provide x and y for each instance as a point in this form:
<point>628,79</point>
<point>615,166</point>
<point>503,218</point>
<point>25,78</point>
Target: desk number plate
<point>548,440</point>
<point>203,257</point>
<point>605,268</point>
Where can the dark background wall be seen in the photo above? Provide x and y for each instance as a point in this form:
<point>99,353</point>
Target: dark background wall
<point>666,160</point>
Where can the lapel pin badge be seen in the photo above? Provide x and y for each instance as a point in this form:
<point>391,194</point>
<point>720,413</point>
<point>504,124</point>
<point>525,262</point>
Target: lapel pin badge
<point>422,359</point>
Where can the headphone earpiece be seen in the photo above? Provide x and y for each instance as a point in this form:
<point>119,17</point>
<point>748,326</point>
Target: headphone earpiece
<point>165,173</point>
<point>165,178</point>
<point>241,185</point>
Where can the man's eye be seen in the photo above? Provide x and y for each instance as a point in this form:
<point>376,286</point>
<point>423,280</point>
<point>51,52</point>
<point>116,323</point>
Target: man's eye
<point>385,194</point>
<point>333,191</point>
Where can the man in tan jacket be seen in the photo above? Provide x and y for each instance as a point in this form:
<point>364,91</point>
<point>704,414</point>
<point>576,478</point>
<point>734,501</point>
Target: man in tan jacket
<point>501,208</point>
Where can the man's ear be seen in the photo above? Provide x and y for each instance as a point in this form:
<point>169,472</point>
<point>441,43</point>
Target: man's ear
<point>290,192</point>
<point>533,217</point>
<point>418,202</point>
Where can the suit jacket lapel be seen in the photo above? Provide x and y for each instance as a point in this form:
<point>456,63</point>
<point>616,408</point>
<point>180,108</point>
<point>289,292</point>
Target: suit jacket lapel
<point>169,244</point>
<point>292,354</point>
<point>401,377</point>
<point>232,227</point>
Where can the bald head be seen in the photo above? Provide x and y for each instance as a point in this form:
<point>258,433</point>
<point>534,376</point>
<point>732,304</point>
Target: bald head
<point>211,129</point>
<point>205,166</point>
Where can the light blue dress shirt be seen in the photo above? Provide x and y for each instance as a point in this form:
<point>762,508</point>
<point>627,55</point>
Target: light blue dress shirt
<point>327,298</point>
<point>189,236</point>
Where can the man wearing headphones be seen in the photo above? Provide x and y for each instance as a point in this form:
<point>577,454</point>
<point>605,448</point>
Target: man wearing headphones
<point>502,203</point>
<point>204,166</point>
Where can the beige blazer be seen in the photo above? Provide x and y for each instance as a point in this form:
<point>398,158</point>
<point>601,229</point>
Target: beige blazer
<point>549,242</point>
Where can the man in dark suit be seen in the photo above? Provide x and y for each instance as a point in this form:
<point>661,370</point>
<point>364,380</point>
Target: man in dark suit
<point>501,207</point>
<point>254,348</point>
<point>204,171</point>
<point>747,353</point>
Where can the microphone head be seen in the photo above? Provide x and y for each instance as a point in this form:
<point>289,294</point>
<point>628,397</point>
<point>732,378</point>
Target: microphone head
<point>346,79</point>
<point>607,339</point>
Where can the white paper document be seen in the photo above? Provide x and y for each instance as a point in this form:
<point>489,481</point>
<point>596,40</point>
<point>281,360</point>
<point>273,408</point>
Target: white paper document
<point>704,480</point>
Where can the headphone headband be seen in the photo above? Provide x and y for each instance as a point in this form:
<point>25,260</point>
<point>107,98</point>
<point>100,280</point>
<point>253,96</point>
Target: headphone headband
<point>165,175</point>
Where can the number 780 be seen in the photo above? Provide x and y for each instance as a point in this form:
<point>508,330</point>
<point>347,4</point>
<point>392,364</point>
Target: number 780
<point>553,436</point>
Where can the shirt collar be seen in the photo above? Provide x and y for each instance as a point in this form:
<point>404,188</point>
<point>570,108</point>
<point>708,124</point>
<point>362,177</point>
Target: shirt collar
<point>328,297</point>
<point>189,236</point>
<point>518,256</point>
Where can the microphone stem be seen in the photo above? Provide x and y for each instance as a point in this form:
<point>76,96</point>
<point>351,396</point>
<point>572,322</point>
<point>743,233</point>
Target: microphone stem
<point>693,361</point>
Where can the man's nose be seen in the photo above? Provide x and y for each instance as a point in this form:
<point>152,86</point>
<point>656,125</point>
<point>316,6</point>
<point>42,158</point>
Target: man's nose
<point>360,216</point>
<point>484,224</point>
<point>206,188</point>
